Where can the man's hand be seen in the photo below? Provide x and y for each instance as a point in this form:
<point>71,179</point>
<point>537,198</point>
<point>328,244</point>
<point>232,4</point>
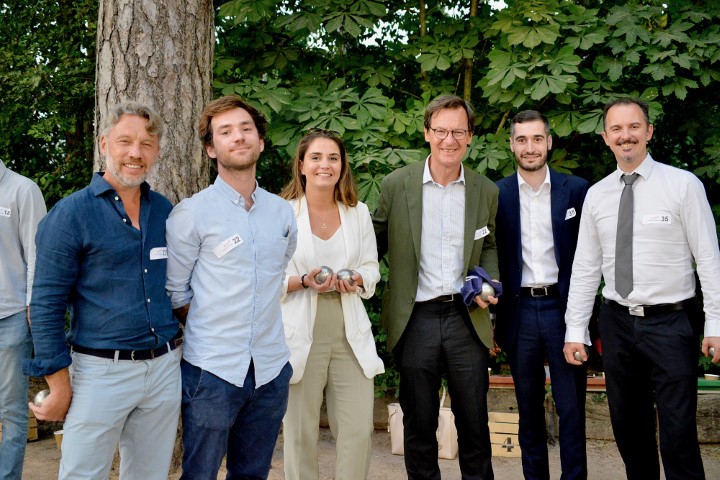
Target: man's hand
<point>181,313</point>
<point>56,405</point>
<point>711,342</point>
<point>569,351</point>
<point>483,304</point>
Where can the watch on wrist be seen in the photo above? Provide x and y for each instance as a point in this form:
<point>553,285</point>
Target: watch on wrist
<point>302,280</point>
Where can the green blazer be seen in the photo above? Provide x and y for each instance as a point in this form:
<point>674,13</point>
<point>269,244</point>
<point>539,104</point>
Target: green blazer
<point>398,228</point>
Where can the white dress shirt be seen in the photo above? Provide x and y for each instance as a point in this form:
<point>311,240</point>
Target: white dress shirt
<point>536,235</point>
<point>441,249</point>
<point>673,227</point>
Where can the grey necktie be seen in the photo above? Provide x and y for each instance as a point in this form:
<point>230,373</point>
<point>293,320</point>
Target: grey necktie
<point>624,239</point>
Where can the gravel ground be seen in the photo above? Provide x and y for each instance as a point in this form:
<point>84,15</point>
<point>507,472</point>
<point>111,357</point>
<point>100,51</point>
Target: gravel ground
<point>41,461</point>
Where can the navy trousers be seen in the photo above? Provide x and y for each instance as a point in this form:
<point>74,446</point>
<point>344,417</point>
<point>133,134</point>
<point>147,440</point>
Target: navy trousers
<point>540,337</point>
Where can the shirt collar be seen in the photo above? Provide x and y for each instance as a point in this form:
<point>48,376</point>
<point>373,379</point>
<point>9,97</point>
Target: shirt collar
<point>99,186</point>
<point>3,169</point>
<point>427,176</point>
<point>521,180</point>
<point>232,194</point>
<point>644,169</point>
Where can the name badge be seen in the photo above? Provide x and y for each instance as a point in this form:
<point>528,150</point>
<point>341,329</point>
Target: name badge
<point>482,232</point>
<point>5,212</point>
<point>571,213</point>
<point>657,219</point>
<point>158,253</point>
<point>228,245</point>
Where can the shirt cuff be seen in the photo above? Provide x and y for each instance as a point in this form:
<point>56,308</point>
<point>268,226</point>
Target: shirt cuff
<point>577,335</point>
<point>712,328</point>
<point>40,367</point>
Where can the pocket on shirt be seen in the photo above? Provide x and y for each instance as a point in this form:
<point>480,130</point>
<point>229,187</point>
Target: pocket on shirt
<point>272,250</point>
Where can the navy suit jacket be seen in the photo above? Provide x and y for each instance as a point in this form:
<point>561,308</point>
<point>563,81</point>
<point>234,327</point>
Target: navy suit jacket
<point>567,194</point>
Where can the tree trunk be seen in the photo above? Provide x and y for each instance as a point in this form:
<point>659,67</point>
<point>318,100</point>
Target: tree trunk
<point>159,53</point>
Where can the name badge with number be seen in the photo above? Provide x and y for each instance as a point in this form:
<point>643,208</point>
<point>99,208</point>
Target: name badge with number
<point>482,232</point>
<point>657,219</point>
<point>571,213</point>
<point>228,245</point>
<point>5,212</point>
<point>158,253</point>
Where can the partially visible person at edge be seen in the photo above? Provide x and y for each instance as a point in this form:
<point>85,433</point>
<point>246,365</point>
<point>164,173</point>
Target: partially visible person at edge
<point>649,343</point>
<point>332,348</point>
<point>21,208</point>
<point>436,221</point>
<point>537,226</point>
<point>101,252</point>
<point>228,248</point>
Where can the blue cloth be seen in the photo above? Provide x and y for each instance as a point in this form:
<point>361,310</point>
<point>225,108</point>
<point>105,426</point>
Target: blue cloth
<point>110,274</point>
<point>218,417</point>
<point>473,284</point>
<point>15,345</point>
<point>229,264</point>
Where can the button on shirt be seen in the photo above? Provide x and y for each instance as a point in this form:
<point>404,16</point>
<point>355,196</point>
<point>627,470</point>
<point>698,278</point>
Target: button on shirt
<point>538,248</point>
<point>672,227</point>
<point>21,208</point>
<point>443,238</point>
<point>110,274</point>
<point>229,264</point>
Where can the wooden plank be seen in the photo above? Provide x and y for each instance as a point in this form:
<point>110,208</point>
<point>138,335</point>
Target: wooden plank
<point>503,417</point>
<point>500,438</point>
<point>503,427</point>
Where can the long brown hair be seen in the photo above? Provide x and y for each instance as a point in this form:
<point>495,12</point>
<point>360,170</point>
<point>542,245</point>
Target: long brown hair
<point>345,190</point>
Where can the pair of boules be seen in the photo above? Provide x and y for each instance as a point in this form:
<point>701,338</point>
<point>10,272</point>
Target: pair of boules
<point>326,272</point>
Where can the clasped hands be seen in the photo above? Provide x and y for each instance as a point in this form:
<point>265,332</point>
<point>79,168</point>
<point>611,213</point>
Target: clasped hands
<point>332,283</point>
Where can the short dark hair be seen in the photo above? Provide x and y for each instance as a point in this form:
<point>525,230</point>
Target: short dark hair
<point>529,116</point>
<point>222,105</point>
<point>449,102</point>
<point>627,101</point>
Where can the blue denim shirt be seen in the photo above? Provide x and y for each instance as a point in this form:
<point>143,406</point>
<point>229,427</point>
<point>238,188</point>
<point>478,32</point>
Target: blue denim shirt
<point>110,275</point>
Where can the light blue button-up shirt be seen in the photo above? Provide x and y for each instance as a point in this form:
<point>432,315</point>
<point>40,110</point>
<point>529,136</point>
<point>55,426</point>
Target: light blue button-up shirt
<point>228,264</point>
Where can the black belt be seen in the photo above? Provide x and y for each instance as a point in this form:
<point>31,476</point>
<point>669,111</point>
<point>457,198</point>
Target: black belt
<point>647,310</point>
<point>545,291</point>
<point>134,355</point>
<point>451,297</point>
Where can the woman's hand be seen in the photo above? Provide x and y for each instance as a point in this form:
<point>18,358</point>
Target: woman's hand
<point>329,285</point>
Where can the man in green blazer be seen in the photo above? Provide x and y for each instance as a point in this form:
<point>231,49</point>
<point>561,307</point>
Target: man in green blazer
<point>437,221</point>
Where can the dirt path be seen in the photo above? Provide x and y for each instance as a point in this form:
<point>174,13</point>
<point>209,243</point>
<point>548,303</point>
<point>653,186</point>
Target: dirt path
<point>41,461</point>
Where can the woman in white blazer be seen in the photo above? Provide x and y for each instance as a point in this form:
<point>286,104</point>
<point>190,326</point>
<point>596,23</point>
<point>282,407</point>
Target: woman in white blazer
<point>332,349</point>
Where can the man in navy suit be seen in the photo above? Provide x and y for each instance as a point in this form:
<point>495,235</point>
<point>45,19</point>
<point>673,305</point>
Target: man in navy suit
<point>537,228</point>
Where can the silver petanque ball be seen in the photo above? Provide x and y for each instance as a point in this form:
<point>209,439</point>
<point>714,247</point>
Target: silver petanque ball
<point>578,356</point>
<point>324,274</point>
<point>711,351</point>
<point>346,275</point>
<point>485,291</point>
<point>40,397</point>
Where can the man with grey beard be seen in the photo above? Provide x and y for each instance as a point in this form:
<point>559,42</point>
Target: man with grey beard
<point>101,253</point>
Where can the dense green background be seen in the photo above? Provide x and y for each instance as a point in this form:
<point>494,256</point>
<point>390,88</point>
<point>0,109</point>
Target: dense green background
<point>367,69</point>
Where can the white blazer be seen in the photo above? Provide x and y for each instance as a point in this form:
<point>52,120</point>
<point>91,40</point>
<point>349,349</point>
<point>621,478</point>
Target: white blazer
<point>299,307</point>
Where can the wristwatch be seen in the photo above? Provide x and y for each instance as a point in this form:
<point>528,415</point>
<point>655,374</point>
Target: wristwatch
<point>302,280</point>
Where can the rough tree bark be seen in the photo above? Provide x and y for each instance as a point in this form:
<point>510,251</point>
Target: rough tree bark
<point>159,52</point>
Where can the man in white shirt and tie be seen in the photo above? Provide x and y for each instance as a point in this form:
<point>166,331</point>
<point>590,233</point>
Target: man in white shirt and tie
<point>648,323</point>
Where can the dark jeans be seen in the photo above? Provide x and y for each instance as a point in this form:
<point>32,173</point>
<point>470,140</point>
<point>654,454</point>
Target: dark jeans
<point>650,360</point>
<point>540,336</point>
<point>219,417</point>
<point>439,339</point>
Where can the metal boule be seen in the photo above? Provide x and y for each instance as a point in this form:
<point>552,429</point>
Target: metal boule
<point>578,356</point>
<point>325,273</point>
<point>40,397</point>
<point>711,351</point>
<point>346,275</point>
<point>486,290</point>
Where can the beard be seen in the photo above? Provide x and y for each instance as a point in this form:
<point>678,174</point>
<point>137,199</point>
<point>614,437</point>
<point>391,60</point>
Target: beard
<point>241,165</point>
<point>114,167</point>
<point>531,167</point>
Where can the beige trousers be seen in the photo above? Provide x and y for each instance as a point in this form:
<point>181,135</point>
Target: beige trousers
<point>332,368</point>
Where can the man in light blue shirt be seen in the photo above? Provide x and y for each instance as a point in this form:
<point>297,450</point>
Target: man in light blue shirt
<point>228,247</point>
